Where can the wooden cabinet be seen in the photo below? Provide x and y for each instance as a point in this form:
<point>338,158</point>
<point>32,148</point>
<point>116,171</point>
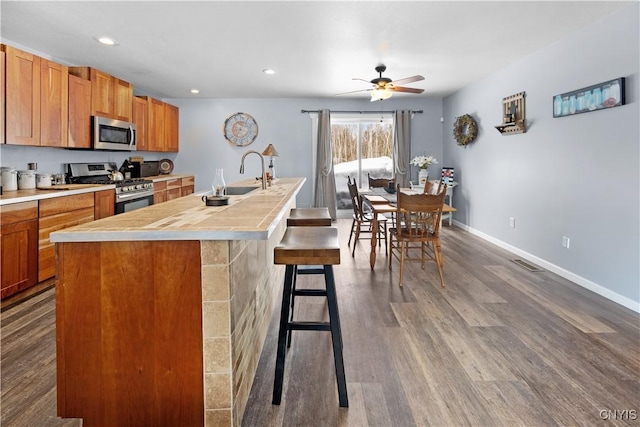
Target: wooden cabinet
<point>187,186</point>
<point>2,94</point>
<point>159,192</point>
<point>56,214</point>
<point>54,104</point>
<point>140,118</point>
<point>104,204</point>
<point>19,253</point>
<point>22,97</point>
<point>110,96</point>
<point>79,113</point>
<point>36,99</point>
<point>171,125</point>
<point>174,188</point>
<point>162,132</point>
<point>155,133</point>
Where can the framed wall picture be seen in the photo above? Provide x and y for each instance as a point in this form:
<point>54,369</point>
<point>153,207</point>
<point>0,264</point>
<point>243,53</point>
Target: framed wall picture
<point>604,95</point>
<point>447,175</point>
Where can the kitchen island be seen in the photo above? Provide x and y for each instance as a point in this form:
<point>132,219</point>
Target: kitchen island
<point>162,312</point>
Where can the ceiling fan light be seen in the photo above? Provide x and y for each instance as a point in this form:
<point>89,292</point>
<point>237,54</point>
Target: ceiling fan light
<point>379,94</point>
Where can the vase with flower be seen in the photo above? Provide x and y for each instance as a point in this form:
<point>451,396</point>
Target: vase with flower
<point>423,162</point>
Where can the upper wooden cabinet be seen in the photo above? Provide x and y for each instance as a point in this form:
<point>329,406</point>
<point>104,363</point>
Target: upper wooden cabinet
<point>79,112</point>
<point>162,126</point>
<point>110,96</point>
<point>171,117</point>
<point>141,119</point>
<point>54,104</point>
<point>36,99</point>
<point>22,97</point>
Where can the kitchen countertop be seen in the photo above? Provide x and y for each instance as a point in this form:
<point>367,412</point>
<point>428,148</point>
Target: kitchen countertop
<point>252,216</point>
<point>19,196</point>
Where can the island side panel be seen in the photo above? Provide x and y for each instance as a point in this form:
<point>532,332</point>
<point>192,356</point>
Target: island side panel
<point>129,333</point>
<point>255,291</point>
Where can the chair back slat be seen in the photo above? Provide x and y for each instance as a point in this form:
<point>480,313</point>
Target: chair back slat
<point>356,200</point>
<point>381,182</point>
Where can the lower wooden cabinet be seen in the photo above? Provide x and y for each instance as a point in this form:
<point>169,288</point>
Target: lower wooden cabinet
<point>104,204</point>
<point>56,214</point>
<point>172,189</point>
<point>187,186</point>
<point>159,192</point>
<point>19,252</point>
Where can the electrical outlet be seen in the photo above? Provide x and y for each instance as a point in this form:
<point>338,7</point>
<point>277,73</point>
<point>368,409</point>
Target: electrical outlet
<point>512,222</point>
<point>565,242</point>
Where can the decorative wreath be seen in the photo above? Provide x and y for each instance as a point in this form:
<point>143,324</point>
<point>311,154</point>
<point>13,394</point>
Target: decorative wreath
<point>465,130</point>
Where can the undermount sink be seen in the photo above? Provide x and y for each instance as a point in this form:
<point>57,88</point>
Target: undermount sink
<point>239,191</point>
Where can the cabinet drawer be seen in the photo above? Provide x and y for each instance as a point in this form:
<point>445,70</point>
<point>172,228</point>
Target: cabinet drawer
<point>51,223</point>
<point>187,181</point>
<point>18,212</point>
<point>159,186</point>
<point>64,204</point>
<point>174,183</point>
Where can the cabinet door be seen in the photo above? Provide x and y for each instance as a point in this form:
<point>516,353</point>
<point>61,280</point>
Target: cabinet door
<point>171,126</point>
<point>140,118</point>
<point>2,94</point>
<point>159,192</point>
<point>174,193</point>
<point>19,242</point>
<point>22,97</point>
<point>155,134</point>
<point>54,104</point>
<point>102,93</point>
<point>79,113</point>
<point>123,100</point>
<point>104,204</point>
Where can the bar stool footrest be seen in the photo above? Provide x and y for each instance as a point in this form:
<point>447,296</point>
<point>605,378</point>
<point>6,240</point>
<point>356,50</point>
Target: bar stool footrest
<point>309,326</point>
<point>310,292</point>
<point>316,270</point>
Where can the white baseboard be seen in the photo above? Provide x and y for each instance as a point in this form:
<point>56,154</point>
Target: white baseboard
<point>579,280</point>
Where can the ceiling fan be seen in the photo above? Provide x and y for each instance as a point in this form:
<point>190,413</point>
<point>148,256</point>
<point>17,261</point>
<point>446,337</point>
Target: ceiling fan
<point>383,87</point>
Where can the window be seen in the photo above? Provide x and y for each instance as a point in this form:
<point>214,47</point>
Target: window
<point>361,145</point>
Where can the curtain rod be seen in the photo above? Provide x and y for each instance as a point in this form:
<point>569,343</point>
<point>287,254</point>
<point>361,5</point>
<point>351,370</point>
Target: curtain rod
<point>360,112</point>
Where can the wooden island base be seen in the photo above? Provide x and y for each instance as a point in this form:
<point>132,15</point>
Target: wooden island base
<point>163,332</point>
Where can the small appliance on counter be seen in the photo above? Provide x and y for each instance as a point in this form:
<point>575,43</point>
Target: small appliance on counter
<point>144,169</point>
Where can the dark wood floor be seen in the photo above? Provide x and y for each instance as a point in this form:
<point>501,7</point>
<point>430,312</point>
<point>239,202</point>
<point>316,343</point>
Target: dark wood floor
<point>499,346</point>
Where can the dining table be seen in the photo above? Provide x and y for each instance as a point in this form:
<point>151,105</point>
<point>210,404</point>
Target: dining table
<point>380,201</point>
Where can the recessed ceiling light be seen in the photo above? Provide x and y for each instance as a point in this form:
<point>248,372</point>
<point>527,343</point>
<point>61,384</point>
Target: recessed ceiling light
<point>194,91</point>
<point>107,41</point>
<point>268,71</point>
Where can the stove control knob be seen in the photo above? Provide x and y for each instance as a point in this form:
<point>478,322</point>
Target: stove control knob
<point>124,189</point>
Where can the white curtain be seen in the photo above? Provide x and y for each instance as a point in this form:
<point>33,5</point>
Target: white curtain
<point>402,146</point>
<point>325,181</point>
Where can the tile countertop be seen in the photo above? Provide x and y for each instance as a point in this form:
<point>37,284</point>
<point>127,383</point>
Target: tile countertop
<point>252,216</point>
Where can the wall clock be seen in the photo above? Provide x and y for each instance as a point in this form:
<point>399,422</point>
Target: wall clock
<point>240,129</point>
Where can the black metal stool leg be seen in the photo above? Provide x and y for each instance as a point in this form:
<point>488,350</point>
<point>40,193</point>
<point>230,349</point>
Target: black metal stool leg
<point>282,335</point>
<point>336,336</point>
<point>293,301</point>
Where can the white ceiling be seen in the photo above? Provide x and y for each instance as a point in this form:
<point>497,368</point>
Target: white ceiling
<point>316,48</point>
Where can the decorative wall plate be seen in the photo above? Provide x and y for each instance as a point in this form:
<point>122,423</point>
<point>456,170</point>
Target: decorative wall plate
<point>240,129</point>
<point>165,166</point>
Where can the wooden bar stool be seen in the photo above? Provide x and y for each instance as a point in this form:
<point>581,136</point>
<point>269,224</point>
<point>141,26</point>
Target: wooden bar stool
<point>304,217</point>
<point>309,246</point>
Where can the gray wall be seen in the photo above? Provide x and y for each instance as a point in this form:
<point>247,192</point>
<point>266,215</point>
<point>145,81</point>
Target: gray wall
<point>574,176</point>
<point>204,148</point>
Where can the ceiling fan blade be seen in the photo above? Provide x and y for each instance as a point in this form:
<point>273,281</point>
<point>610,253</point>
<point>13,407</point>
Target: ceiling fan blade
<point>407,89</point>
<point>353,91</point>
<point>406,80</point>
<point>357,78</point>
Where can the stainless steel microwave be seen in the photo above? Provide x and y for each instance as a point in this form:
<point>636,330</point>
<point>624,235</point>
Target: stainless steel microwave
<point>111,134</point>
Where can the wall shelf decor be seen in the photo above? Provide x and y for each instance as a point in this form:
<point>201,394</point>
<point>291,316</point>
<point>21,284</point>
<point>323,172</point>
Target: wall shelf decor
<point>513,115</point>
<point>591,98</point>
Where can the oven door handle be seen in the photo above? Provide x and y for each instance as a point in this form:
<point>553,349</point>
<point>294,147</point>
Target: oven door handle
<point>128,196</point>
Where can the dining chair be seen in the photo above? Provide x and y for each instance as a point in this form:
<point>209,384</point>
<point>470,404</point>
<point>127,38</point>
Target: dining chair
<point>431,188</point>
<point>362,221</point>
<point>381,182</point>
<point>418,228</point>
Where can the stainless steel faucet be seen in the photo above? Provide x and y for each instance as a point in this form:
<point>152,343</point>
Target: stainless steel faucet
<point>264,176</point>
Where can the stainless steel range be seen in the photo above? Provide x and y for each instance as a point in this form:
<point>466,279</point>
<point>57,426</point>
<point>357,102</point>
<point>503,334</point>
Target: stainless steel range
<point>131,194</point>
